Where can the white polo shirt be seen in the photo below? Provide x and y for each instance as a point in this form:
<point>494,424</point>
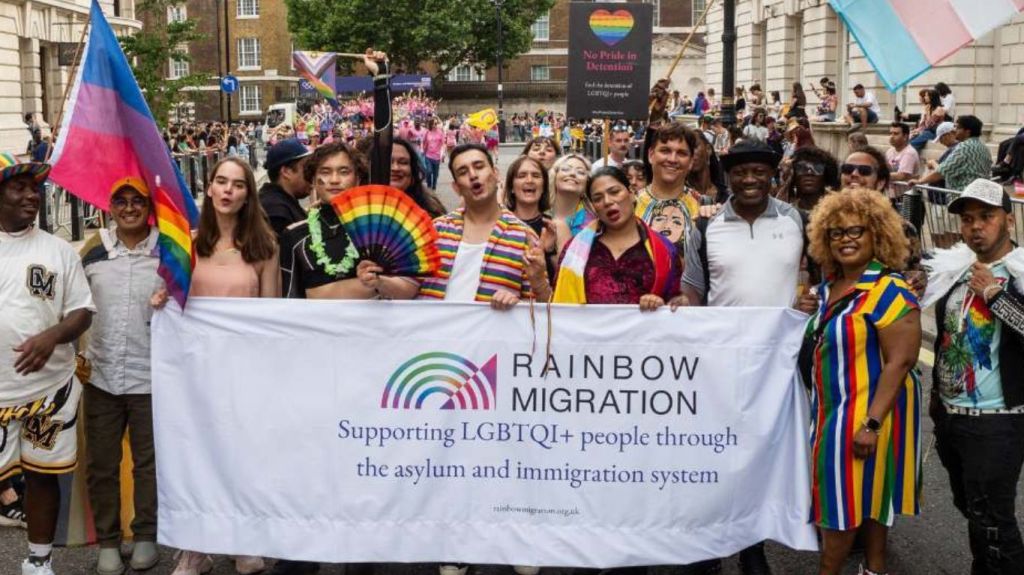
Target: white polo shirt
<point>41,282</point>
<point>750,265</point>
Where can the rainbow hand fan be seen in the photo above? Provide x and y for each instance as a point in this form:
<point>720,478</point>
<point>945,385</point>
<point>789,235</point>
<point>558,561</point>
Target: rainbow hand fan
<point>388,228</point>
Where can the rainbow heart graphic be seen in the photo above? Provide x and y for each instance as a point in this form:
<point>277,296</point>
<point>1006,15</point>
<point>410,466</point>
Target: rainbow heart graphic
<point>611,27</point>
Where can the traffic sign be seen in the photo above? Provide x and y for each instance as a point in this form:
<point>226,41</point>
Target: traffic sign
<point>229,84</point>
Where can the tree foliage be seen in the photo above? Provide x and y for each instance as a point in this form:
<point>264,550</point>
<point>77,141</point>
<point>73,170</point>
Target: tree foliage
<point>447,33</point>
<point>151,49</point>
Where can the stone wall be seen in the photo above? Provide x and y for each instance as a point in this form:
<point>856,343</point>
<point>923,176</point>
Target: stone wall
<point>782,41</point>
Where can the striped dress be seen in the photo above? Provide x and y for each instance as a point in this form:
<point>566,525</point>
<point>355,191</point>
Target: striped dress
<point>847,365</point>
<point>504,264</point>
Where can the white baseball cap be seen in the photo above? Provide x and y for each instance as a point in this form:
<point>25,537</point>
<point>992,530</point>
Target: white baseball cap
<point>943,129</point>
<point>984,191</point>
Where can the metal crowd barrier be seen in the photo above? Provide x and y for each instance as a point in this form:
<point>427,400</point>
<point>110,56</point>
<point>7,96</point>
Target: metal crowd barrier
<point>63,214</point>
<point>926,208</point>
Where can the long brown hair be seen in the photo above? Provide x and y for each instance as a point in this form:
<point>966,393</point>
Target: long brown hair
<point>253,236</point>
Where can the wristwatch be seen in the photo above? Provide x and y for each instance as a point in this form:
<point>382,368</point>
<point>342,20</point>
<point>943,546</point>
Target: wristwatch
<point>871,424</point>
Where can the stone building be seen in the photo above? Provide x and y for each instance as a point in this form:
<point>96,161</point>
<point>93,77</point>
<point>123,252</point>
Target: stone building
<point>537,79</point>
<point>248,39</point>
<point>784,41</point>
<point>33,76</point>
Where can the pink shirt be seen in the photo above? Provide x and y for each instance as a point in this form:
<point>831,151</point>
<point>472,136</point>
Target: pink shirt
<point>433,144</point>
<point>225,274</point>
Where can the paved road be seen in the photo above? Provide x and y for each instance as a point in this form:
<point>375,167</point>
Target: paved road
<point>933,544</point>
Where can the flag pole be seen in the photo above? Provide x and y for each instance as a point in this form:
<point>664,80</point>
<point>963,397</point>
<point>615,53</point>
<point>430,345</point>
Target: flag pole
<point>71,82</point>
<point>682,50</point>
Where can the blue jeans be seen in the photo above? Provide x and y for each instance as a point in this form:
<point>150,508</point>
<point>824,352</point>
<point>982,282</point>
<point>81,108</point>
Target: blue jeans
<point>921,140</point>
<point>433,170</point>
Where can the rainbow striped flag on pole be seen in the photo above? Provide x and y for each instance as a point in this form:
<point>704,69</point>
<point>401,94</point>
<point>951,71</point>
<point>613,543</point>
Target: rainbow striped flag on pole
<point>904,38</point>
<point>108,137</point>
<point>318,69</point>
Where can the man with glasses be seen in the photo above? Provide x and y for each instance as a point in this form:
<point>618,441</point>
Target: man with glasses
<point>747,254</point>
<point>122,271</point>
<point>619,142</point>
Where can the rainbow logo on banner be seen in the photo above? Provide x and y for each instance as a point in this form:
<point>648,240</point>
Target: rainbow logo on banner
<point>611,27</point>
<point>317,68</point>
<point>462,384</point>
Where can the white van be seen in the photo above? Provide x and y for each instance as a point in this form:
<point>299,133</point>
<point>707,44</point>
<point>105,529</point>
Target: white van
<point>276,115</point>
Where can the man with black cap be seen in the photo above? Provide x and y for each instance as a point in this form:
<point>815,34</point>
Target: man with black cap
<point>977,399</point>
<point>280,197</point>
<point>747,254</point>
<point>47,305</point>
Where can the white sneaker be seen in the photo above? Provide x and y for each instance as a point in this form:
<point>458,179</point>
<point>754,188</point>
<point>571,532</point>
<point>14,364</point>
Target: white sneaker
<point>30,568</point>
<point>248,564</point>
<point>526,570</point>
<point>192,563</point>
<point>453,570</point>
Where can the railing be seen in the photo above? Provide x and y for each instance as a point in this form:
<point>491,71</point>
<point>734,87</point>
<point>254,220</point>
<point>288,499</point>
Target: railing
<point>926,208</point>
<point>63,214</point>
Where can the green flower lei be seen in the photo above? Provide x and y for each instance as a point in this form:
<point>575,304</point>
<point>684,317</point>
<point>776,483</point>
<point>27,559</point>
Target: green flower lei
<point>317,245</point>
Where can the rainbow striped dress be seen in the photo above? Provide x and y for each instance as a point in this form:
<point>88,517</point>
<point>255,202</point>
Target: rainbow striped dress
<point>847,365</point>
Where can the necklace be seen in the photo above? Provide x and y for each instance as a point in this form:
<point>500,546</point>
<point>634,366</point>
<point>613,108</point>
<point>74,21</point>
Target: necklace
<point>316,237</point>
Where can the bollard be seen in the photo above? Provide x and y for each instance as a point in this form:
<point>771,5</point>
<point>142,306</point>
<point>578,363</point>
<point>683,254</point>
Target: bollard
<point>45,204</point>
<point>76,218</point>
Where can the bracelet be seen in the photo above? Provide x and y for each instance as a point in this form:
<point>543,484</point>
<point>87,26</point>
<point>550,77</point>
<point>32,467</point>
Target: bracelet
<point>985,292</point>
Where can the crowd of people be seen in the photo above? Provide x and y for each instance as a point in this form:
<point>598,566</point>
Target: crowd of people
<point>702,219</point>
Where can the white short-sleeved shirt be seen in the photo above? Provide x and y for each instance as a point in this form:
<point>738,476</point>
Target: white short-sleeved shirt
<point>41,282</point>
<point>870,101</point>
<point>751,265</point>
<point>465,278</point>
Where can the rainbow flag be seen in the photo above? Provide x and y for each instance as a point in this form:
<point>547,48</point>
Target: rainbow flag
<point>904,38</point>
<point>318,69</point>
<point>108,136</point>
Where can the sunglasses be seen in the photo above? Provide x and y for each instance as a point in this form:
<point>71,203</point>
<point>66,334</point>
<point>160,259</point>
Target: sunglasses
<point>863,170</point>
<point>809,169</point>
<point>136,202</point>
<point>852,232</point>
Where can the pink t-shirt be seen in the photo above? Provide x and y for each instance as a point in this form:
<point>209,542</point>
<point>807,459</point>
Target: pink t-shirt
<point>905,161</point>
<point>433,144</point>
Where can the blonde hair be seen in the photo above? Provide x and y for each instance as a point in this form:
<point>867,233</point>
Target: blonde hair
<point>890,243</point>
<point>553,172</point>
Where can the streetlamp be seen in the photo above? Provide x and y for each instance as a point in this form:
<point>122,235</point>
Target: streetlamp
<point>501,111</point>
<point>728,62</point>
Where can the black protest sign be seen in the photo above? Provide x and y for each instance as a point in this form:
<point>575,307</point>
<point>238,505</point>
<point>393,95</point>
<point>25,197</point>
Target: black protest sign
<point>609,60</point>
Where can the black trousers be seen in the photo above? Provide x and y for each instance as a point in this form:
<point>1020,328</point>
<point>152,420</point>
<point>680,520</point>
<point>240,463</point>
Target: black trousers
<point>983,455</point>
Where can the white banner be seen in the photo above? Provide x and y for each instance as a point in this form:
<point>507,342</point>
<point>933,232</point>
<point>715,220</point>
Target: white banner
<point>422,431</point>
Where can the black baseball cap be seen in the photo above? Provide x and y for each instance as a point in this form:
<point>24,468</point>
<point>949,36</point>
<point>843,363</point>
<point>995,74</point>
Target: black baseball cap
<point>284,152</point>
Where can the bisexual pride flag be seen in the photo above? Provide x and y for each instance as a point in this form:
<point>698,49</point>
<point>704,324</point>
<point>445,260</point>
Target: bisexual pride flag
<point>108,137</point>
<point>904,38</point>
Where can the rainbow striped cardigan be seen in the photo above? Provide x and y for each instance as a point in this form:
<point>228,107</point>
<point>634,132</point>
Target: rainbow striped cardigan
<point>504,264</point>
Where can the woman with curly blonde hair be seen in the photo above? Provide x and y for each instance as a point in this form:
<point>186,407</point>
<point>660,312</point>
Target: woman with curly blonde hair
<point>859,351</point>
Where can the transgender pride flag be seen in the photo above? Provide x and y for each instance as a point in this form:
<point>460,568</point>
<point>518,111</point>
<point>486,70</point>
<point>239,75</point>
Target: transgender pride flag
<point>108,137</point>
<point>904,38</point>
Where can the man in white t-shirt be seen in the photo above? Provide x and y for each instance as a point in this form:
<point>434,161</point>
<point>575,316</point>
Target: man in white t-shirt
<point>904,162</point>
<point>863,110</point>
<point>618,148</point>
<point>46,306</point>
<point>487,253</point>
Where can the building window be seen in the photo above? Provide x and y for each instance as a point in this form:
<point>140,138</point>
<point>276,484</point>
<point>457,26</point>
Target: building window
<point>179,69</point>
<point>250,99</point>
<point>248,8</point>
<point>698,9</point>
<point>541,29</point>
<point>466,73</point>
<point>177,13</point>
<point>540,73</point>
<point>656,12</point>
<point>248,53</point>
